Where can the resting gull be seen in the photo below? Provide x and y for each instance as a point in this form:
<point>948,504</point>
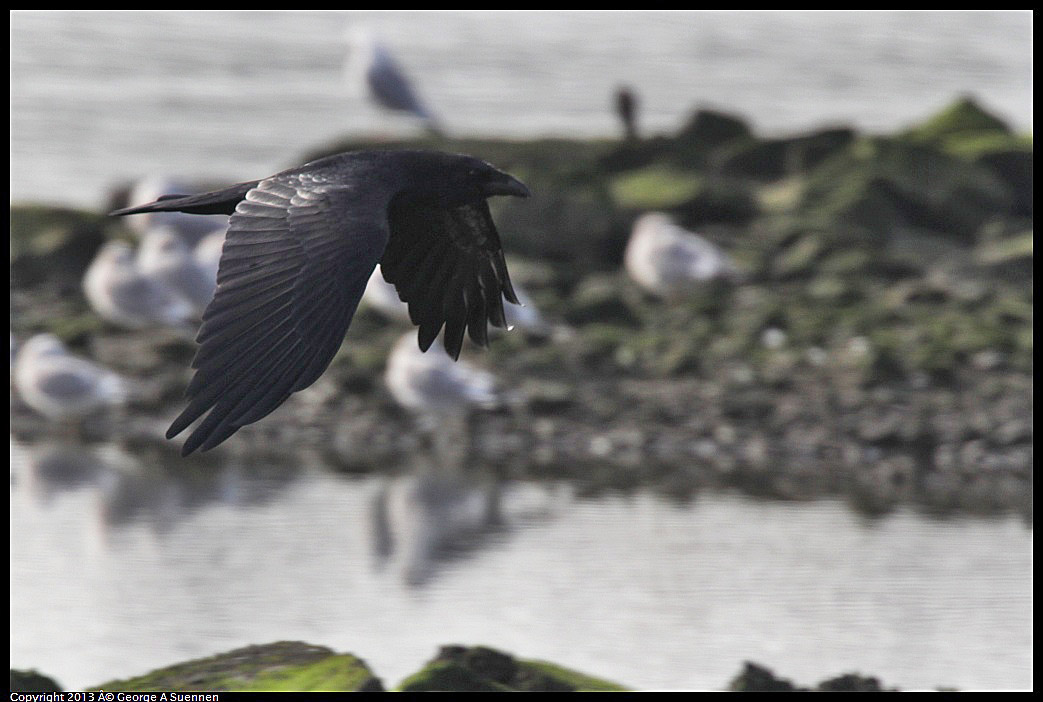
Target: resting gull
<point>668,260</point>
<point>372,65</point>
<point>62,386</point>
<point>431,384</point>
<point>166,257</point>
<point>121,294</point>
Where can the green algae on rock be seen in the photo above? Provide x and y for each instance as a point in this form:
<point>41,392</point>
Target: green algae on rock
<point>483,669</point>
<point>277,667</point>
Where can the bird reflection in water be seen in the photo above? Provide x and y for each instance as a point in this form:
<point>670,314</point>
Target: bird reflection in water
<point>422,521</point>
<point>137,489</point>
<point>445,507</point>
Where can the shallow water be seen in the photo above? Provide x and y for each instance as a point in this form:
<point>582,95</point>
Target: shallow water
<point>117,569</point>
<point>99,97</point>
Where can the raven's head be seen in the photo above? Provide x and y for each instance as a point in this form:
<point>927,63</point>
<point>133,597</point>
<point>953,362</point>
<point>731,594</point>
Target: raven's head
<point>455,179</point>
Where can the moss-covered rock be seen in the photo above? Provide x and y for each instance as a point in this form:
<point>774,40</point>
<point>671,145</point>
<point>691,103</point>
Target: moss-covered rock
<point>774,158</point>
<point>278,667</point>
<point>54,242</point>
<point>961,117</point>
<point>1014,167</point>
<point>757,678</point>
<point>447,676</point>
<point>600,299</point>
<point>483,669</point>
<point>707,131</point>
<point>694,199</point>
<point>880,185</point>
<point>30,681</point>
<point>966,130</point>
<point>658,187</point>
<point>1011,254</point>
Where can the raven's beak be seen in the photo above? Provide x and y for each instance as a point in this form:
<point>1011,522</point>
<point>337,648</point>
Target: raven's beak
<point>506,185</point>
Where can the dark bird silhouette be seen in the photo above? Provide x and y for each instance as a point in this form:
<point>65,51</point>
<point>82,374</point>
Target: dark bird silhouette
<point>301,246</point>
<point>626,108</point>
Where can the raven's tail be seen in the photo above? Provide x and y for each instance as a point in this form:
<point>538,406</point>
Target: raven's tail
<point>215,202</point>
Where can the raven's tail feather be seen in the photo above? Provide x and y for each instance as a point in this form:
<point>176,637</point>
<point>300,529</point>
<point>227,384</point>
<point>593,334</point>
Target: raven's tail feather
<point>216,202</point>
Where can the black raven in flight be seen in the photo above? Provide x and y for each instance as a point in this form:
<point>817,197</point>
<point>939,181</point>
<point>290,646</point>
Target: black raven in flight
<point>299,250</point>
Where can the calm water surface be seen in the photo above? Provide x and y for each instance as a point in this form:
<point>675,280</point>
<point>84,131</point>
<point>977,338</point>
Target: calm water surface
<point>117,569</point>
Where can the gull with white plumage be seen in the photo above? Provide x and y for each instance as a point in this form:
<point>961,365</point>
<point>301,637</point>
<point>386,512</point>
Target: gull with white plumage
<point>61,386</point>
<point>125,296</point>
<point>668,261</point>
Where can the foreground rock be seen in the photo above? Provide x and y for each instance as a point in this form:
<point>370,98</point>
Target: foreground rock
<point>290,666</point>
<point>482,669</point>
<point>30,681</point>
<point>286,666</point>
<point>756,678</point>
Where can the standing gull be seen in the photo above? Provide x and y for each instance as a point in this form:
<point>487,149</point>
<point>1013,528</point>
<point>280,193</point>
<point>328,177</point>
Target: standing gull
<point>430,384</point>
<point>371,64</point>
<point>441,395</point>
<point>301,246</point>
<point>667,260</point>
<point>61,386</point>
<point>121,294</point>
<point>166,257</point>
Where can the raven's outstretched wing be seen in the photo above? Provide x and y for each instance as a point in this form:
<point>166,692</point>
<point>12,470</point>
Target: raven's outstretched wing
<point>294,266</point>
<point>448,266</point>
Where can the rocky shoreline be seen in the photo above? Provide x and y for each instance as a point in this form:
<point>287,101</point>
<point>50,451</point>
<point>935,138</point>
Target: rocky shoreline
<point>878,347</point>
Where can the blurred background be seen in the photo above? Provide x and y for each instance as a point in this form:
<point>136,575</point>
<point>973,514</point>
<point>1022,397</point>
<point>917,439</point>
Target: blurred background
<point>218,95</point>
<point>814,453</point>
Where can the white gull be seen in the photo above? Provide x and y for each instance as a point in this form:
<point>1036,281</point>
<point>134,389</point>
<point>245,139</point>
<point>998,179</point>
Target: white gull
<point>121,294</point>
<point>166,257</point>
<point>62,386</point>
<point>668,260</point>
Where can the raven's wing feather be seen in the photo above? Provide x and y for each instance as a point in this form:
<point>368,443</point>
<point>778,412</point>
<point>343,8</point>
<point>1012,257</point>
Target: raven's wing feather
<point>216,202</point>
<point>447,264</point>
<point>293,269</point>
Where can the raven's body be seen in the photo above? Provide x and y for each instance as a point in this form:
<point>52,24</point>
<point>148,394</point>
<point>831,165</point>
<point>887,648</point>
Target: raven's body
<point>300,248</point>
